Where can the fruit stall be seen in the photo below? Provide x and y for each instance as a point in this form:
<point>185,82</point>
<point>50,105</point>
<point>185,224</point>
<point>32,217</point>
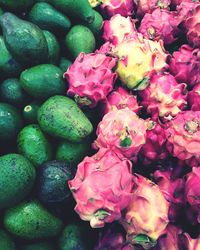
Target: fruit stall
<point>99,125</point>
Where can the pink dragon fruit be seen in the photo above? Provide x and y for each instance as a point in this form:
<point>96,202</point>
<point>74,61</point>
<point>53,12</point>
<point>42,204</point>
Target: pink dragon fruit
<point>164,97</point>
<point>155,147</point>
<point>121,131</point>
<point>91,78</point>
<point>187,243</point>
<point>183,135</point>
<point>123,7</point>
<point>183,10</point>
<point>147,6</point>
<point>120,99</point>
<point>102,187</point>
<point>172,190</point>
<point>194,98</point>
<point>166,29</point>
<point>146,216</point>
<point>185,65</point>
<point>192,190</point>
<point>118,28</point>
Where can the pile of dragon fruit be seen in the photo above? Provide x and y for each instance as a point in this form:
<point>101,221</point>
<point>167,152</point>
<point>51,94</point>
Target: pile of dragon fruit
<point>143,183</point>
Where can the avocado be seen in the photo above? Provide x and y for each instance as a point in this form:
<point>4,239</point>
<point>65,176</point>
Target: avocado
<point>25,40</point>
<point>43,81</point>
<point>10,121</point>
<point>11,92</point>
<point>17,176</point>
<point>38,246</point>
<point>60,116</point>
<point>9,67</point>
<point>16,5</point>
<point>80,39</point>
<point>97,24</point>
<point>30,112</point>
<point>53,47</point>
<point>33,144</point>
<point>52,182</point>
<point>31,221</point>
<point>64,64</point>
<point>6,243</point>
<point>79,9</point>
<point>48,18</point>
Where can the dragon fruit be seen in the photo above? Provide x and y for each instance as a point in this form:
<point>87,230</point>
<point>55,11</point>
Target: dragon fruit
<point>91,78</point>
<point>183,137</point>
<point>185,65</point>
<point>194,98</point>
<point>183,9</point>
<point>102,187</point>
<point>192,190</point>
<point>120,99</point>
<point>187,243</point>
<point>166,29</point>
<point>164,97</point>
<point>138,59</point>
<point>155,147</point>
<point>146,216</point>
<point>121,131</point>
<point>123,7</point>
<point>147,6</point>
<point>118,28</point>
<point>95,3</point>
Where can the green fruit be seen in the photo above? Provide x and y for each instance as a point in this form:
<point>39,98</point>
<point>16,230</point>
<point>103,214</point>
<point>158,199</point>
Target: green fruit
<point>73,153</point>
<point>38,246</point>
<point>30,220</point>
<point>48,18</point>
<point>53,177</point>
<point>9,67</point>
<point>25,41</point>
<point>61,117</point>
<point>10,121</point>
<point>43,81</point>
<point>96,25</point>
<point>30,112</point>
<point>11,92</point>
<point>1,12</point>
<point>6,243</point>
<point>75,8</point>
<point>16,5</point>
<point>33,144</point>
<point>80,39</point>
<point>72,238</point>
<point>53,47</point>
<point>64,64</point>
<point>17,176</point>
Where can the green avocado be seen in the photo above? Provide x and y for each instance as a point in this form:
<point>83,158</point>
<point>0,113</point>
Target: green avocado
<point>30,112</point>
<point>31,221</point>
<point>6,243</point>
<point>16,5</point>
<point>97,24</point>
<point>17,176</point>
<point>60,116</point>
<point>64,64</point>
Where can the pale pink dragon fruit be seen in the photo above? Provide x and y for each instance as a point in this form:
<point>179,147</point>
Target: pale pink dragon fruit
<point>194,98</point>
<point>102,187</point>
<point>121,131</point>
<point>146,216</point>
<point>183,135</point>
<point>187,243</point>
<point>147,6</point>
<point>192,190</point>
<point>120,99</point>
<point>183,10</point>
<point>165,29</point>
<point>164,97</point>
<point>91,78</point>
<point>123,7</point>
<point>118,28</point>
<point>185,65</point>
<point>155,147</point>
<point>172,189</point>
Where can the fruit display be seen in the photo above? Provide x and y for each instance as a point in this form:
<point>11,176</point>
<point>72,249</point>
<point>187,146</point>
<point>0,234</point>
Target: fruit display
<point>100,125</point>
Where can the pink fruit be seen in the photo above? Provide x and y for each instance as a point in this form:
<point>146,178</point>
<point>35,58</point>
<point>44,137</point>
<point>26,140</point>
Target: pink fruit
<point>192,190</point>
<point>91,78</point>
<point>165,29</point>
<point>183,135</point>
<point>147,6</point>
<point>120,99</point>
<point>188,243</point>
<point>123,7</point>
<point>164,97</point>
<point>121,131</point>
<point>183,10</point>
<point>146,214</point>
<point>185,65</point>
<point>118,28</point>
<point>102,187</point>
<point>194,98</point>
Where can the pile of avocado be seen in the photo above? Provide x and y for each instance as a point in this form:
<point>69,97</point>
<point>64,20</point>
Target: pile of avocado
<point>44,135</point>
